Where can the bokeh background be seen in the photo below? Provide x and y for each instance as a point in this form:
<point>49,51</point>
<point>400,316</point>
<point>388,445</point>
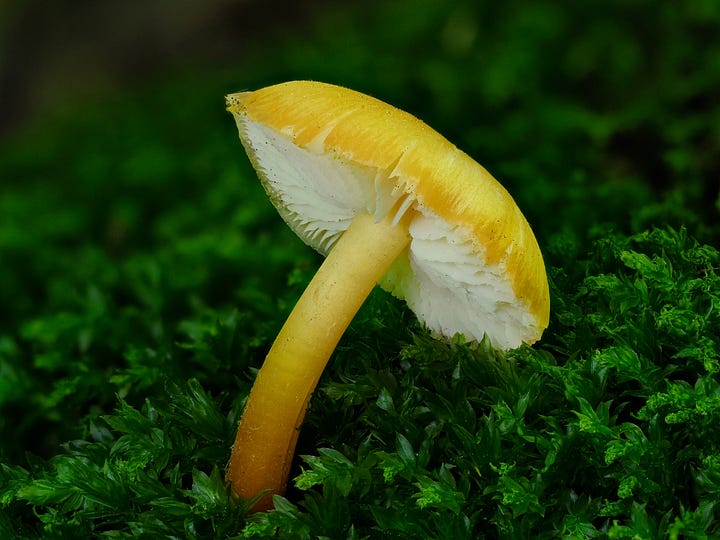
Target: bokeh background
<point>55,53</point>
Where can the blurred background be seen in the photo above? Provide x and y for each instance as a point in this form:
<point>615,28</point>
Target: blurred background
<point>52,53</point>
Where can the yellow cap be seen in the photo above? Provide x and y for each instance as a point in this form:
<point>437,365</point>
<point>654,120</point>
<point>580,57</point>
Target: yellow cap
<point>326,153</point>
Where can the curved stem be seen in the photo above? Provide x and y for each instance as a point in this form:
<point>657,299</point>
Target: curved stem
<point>270,424</point>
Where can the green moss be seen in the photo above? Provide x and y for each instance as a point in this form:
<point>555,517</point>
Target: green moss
<point>144,276</point>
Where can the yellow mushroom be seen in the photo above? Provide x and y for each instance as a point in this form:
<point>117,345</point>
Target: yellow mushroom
<point>388,200</point>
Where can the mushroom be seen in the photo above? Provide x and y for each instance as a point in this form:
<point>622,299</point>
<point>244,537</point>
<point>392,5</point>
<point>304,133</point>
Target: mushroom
<point>387,200</point>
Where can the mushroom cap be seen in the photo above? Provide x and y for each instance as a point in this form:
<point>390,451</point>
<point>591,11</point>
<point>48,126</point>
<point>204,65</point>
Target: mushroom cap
<point>325,153</point>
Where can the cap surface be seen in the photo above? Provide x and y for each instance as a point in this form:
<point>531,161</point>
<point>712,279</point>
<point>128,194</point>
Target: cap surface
<point>326,153</point>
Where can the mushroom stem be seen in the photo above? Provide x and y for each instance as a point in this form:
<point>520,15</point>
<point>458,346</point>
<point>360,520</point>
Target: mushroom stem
<point>270,424</point>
